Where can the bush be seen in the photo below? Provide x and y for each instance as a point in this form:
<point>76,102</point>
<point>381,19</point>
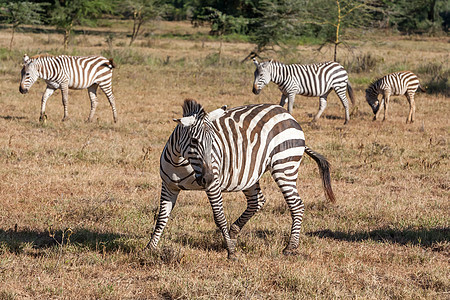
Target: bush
<point>435,78</point>
<point>362,63</point>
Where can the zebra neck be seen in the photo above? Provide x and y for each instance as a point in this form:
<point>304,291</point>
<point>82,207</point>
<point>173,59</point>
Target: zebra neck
<point>40,70</point>
<point>277,74</point>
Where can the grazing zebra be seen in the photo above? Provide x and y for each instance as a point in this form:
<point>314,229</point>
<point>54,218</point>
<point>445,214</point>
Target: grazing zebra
<point>314,80</point>
<point>394,84</point>
<point>69,72</point>
<point>229,150</point>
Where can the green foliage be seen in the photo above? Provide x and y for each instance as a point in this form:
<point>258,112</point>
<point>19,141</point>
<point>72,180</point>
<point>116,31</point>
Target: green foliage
<point>68,13</point>
<point>224,24</point>
<point>277,23</point>
<point>140,11</point>
<point>21,12</point>
<point>415,16</point>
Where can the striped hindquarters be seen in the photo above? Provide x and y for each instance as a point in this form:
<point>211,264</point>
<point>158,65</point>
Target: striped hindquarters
<point>254,138</point>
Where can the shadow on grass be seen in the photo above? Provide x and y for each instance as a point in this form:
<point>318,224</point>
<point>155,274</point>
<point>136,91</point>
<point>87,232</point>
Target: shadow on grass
<point>12,118</point>
<point>15,241</point>
<point>429,238</point>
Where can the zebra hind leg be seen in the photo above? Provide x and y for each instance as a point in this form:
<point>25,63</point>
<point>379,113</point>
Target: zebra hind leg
<point>341,92</point>
<point>112,100</point>
<point>255,200</point>
<point>322,106</point>
<point>286,179</point>
<point>92,91</point>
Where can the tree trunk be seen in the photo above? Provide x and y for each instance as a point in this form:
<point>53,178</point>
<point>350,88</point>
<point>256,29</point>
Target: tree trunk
<point>12,37</point>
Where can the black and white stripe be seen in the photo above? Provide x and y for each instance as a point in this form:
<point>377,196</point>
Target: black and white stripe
<point>394,84</point>
<point>69,72</point>
<point>229,150</point>
<point>314,80</point>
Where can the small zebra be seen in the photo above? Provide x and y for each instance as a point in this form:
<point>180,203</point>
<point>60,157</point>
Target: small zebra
<point>394,84</point>
<point>314,80</point>
<point>229,150</point>
<point>69,72</point>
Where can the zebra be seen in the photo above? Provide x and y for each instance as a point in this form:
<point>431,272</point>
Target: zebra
<point>69,72</point>
<point>313,80</point>
<point>394,84</point>
<point>229,150</point>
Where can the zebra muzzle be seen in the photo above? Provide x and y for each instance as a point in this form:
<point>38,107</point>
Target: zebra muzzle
<point>22,90</point>
<point>256,91</point>
<point>205,180</point>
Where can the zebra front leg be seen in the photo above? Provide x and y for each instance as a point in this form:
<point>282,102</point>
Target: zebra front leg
<point>65,99</point>
<point>291,99</point>
<point>283,100</point>
<point>167,203</point>
<point>255,200</point>
<point>48,92</point>
<point>216,201</point>
<point>107,89</point>
<point>380,107</point>
<point>92,91</point>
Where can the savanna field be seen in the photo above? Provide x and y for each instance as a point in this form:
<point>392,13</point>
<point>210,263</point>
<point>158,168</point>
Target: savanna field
<point>78,200</point>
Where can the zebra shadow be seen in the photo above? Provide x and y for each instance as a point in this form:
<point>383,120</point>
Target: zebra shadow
<point>432,238</point>
<point>327,116</point>
<point>11,118</point>
<point>15,241</point>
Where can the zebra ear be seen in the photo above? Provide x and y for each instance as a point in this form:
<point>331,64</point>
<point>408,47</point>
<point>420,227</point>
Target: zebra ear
<point>186,121</point>
<point>215,114</point>
<point>255,61</point>
<point>25,59</point>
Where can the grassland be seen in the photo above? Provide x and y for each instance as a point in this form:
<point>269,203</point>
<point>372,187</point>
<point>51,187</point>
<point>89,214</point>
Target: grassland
<point>78,200</point>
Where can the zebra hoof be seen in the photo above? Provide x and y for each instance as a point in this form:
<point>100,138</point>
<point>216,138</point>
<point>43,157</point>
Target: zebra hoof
<point>43,118</point>
<point>65,119</point>
<point>288,251</point>
<point>232,257</point>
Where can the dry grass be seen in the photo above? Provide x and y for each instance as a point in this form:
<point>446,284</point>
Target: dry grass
<point>78,200</point>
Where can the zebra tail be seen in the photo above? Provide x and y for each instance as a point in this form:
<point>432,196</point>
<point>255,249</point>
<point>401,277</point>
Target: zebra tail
<point>324,169</point>
<point>351,94</point>
<point>112,65</point>
<point>422,88</point>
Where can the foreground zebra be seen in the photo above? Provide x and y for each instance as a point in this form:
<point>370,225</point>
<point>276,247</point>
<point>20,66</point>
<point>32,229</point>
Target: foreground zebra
<point>315,80</point>
<point>394,84</point>
<point>229,150</point>
<point>69,72</point>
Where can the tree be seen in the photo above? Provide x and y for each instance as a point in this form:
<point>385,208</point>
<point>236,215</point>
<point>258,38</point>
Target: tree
<point>69,13</point>
<point>141,11</point>
<point>275,22</point>
<point>22,12</point>
<point>336,16</point>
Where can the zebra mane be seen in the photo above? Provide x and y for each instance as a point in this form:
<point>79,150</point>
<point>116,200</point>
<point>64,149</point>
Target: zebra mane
<point>41,55</point>
<point>191,107</point>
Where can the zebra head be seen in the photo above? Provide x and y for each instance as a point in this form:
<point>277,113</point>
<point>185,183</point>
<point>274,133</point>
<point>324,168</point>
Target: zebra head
<point>262,75</point>
<point>196,140</point>
<point>29,74</point>
<point>372,99</point>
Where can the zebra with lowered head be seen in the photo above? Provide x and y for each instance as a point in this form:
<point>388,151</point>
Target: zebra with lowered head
<point>229,150</point>
<point>69,72</point>
<point>314,80</point>
<point>394,84</point>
